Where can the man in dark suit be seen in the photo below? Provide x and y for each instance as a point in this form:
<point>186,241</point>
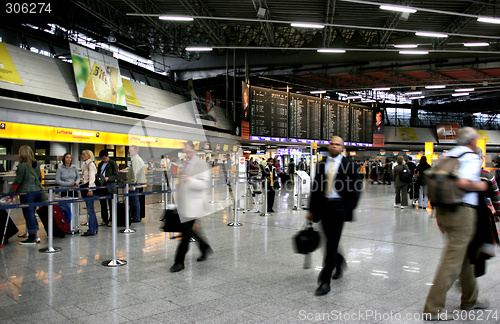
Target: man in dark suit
<point>334,195</point>
<point>109,169</point>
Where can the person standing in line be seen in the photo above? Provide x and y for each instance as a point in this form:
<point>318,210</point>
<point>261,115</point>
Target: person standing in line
<point>88,178</point>
<point>411,166</point>
<point>28,179</point>
<point>271,175</point>
<point>109,170</point>
<point>291,171</point>
<point>459,226</point>
<point>191,205</point>
<point>423,198</point>
<point>335,194</point>
<point>401,187</point>
<point>136,177</point>
<point>67,175</point>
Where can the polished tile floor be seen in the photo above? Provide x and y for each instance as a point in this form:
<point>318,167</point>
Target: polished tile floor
<point>253,276</point>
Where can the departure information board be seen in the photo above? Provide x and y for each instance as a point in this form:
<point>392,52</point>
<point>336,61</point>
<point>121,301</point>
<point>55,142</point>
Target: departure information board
<point>305,117</point>
<point>269,116</point>
<point>330,119</point>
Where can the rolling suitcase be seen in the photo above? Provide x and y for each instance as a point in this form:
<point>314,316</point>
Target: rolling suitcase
<point>61,227</point>
<point>8,230</point>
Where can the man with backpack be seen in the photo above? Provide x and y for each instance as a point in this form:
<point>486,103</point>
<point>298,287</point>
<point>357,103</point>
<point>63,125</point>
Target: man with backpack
<point>459,224</point>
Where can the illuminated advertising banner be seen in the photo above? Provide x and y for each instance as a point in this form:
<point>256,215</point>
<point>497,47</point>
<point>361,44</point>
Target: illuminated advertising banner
<point>408,134</point>
<point>429,151</point>
<point>98,78</point>
<point>130,96</point>
<point>378,128</point>
<point>8,72</point>
<point>484,135</point>
<point>447,132</point>
<point>58,134</point>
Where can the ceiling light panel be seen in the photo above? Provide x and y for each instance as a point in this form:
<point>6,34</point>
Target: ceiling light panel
<point>398,8</point>
<point>430,34</point>
<point>306,25</point>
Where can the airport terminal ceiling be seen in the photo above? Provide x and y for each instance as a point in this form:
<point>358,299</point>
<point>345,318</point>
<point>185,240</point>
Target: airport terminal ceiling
<point>259,34</point>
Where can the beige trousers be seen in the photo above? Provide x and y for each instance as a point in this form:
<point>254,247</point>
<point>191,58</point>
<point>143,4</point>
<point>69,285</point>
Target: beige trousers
<point>460,227</point>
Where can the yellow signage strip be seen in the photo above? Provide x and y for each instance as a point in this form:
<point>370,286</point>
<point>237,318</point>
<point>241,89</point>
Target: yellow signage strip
<point>59,134</point>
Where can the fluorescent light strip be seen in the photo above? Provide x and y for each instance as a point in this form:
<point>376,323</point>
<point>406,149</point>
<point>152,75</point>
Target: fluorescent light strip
<point>476,44</point>
<point>198,49</point>
<point>440,86</point>
<point>354,97</point>
<point>330,50</point>
<point>489,20</point>
<point>307,25</point>
<point>406,45</point>
<point>398,8</point>
<point>460,94</point>
<point>421,97</point>
<point>429,34</point>
<point>176,18</point>
<point>317,91</point>
<point>381,89</point>
<point>465,90</point>
<point>413,93</point>
<point>410,52</point>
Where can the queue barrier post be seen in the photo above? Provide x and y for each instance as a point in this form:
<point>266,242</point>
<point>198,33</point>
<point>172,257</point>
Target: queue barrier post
<point>213,191</point>
<point>265,213</point>
<point>114,262</point>
<point>50,234</point>
<point>235,222</point>
<point>127,229</point>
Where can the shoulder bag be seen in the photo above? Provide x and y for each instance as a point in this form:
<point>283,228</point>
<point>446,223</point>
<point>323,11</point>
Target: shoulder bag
<point>43,195</point>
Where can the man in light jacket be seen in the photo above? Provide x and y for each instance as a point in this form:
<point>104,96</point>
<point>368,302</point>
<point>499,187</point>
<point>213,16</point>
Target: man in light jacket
<point>136,174</point>
<point>191,199</point>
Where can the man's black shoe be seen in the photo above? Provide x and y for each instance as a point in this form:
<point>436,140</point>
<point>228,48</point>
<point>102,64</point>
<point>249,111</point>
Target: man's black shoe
<point>323,289</point>
<point>339,271</point>
<point>177,267</point>
<point>205,254</point>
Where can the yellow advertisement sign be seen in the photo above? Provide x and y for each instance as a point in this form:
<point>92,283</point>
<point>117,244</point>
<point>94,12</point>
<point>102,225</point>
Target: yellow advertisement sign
<point>484,135</point>
<point>8,72</point>
<point>408,133</point>
<point>58,134</point>
<point>98,78</point>
<point>130,94</point>
<point>481,143</point>
<point>429,151</point>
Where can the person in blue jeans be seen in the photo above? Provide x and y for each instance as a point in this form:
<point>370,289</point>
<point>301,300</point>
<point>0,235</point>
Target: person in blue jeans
<point>28,177</point>
<point>89,171</point>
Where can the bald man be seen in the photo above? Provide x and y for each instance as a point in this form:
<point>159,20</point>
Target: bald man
<point>334,195</point>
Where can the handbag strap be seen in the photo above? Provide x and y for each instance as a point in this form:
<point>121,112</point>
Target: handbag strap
<point>36,178</point>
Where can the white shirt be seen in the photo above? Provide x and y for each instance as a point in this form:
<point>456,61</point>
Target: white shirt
<point>470,168</point>
<point>336,160</point>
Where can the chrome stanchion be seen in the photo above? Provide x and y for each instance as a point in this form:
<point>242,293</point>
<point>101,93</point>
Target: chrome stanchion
<point>50,215</point>
<point>235,223</point>
<point>228,183</point>
<point>163,199</point>
<point>213,191</point>
<point>171,193</point>
<point>114,262</point>
<point>127,229</point>
<point>265,213</point>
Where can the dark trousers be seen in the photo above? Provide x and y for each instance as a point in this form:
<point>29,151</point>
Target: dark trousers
<point>271,193</point>
<point>106,217</point>
<point>333,223</point>
<point>135,205</point>
<point>187,233</point>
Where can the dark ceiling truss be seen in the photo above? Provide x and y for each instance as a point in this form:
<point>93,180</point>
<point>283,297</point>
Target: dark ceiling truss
<point>481,76</point>
<point>461,22</point>
<point>392,23</point>
<point>212,29</point>
<point>328,33</point>
<point>268,27</point>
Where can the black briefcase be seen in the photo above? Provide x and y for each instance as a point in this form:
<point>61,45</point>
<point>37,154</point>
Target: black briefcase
<point>172,223</point>
<point>306,240</point>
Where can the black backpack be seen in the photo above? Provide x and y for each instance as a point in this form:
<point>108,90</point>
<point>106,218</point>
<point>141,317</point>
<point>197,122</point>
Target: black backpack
<point>404,175</point>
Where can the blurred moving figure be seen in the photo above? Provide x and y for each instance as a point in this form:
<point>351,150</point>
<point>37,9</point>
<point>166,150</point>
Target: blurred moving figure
<point>136,174</point>
<point>191,204</point>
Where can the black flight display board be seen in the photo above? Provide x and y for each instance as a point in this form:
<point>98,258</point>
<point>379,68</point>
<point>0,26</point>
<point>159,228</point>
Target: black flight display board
<point>336,120</point>
<point>269,116</point>
<point>361,122</point>
<point>305,117</point>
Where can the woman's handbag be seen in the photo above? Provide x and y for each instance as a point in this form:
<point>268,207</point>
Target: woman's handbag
<point>43,195</point>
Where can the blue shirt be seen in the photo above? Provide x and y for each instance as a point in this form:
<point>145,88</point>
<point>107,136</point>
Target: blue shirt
<point>103,168</point>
